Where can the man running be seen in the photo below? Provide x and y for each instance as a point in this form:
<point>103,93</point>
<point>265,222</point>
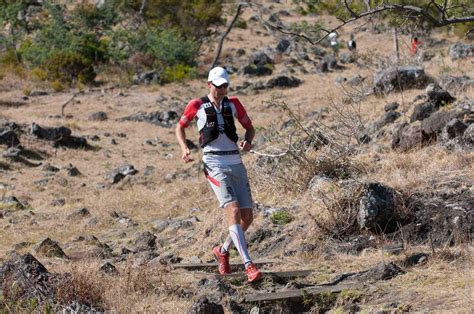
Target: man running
<point>223,167</point>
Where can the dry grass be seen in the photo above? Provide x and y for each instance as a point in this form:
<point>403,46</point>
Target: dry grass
<point>158,289</point>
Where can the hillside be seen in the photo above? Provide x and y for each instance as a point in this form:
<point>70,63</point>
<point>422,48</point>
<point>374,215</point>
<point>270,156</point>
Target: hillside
<point>330,140</point>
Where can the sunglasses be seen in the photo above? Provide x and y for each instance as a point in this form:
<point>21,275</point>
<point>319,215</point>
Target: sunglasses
<point>225,85</point>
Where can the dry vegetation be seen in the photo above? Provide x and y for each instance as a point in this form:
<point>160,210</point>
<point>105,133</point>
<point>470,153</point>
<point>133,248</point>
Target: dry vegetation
<point>444,283</point>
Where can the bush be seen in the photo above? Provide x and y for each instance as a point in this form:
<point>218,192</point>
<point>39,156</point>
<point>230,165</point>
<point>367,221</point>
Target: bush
<point>178,72</point>
<point>68,67</point>
<point>170,48</point>
<point>281,217</point>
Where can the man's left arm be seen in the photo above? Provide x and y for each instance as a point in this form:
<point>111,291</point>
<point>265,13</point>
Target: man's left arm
<point>245,121</point>
<point>246,144</point>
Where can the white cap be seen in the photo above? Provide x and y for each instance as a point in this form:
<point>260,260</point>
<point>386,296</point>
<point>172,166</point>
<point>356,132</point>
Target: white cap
<point>218,76</point>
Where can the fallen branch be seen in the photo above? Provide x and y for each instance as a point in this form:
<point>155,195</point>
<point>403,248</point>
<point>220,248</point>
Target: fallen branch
<point>63,106</point>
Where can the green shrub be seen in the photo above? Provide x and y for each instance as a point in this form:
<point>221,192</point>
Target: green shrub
<point>240,23</point>
<point>68,67</point>
<point>281,217</point>
<point>178,72</point>
<point>57,86</point>
<point>169,47</point>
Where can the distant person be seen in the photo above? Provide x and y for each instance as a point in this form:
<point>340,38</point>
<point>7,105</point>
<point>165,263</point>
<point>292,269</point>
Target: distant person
<point>333,42</point>
<point>351,44</point>
<point>223,167</point>
<point>415,46</point>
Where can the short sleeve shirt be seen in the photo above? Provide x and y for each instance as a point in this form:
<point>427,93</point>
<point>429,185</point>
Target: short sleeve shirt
<point>195,110</point>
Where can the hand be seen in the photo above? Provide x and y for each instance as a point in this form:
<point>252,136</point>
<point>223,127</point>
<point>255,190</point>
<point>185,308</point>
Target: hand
<point>187,156</point>
<point>245,146</point>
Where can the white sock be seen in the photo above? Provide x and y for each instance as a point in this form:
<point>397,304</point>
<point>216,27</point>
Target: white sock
<point>226,246</point>
<point>237,234</point>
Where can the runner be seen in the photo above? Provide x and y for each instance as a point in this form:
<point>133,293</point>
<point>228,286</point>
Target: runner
<point>415,44</point>
<point>223,167</point>
<point>351,44</point>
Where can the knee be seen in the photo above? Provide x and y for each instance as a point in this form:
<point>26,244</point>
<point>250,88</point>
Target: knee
<point>233,210</point>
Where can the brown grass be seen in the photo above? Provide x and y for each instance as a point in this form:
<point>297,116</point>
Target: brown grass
<point>158,289</point>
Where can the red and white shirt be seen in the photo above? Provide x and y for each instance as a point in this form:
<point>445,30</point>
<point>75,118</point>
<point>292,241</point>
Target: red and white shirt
<point>195,110</point>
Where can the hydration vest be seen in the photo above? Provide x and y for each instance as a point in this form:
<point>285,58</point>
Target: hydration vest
<point>211,131</point>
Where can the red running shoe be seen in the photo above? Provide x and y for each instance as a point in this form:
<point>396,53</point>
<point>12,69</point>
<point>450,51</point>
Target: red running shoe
<point>223,259</point>
<point>253,273</point>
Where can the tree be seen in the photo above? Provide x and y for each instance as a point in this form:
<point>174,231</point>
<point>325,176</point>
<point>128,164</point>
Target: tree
<point>437,13</point>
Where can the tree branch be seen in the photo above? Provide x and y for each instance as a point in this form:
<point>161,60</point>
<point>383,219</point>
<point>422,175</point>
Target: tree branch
<point>221,42</point>
<point>419,11</point>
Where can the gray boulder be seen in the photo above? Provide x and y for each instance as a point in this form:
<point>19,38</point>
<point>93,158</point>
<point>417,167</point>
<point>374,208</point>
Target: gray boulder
<point>9,138</point>
<point>204,306</point>
<point>456,83</point>
<point>253,70</point>
<point>388,118</point>
<point>422,111</point>
<point>145,241</point>
<point>98,116</point>
<point>146,77</point>
<point>438,96</point>
<point>468,136</point>
<point>433,125</point>
<point>50,134</point>
<point>11,203</point>
<point>283,45</point>
<point>454,128</point>
<point>164,119</point>
<point>119,173</point>
<point>283,81</point>
<point>391,106</point>
<point>461,51</point>
<point>377,209</point>
<point>50,248</point>
<point>400,78</point>
<point>260,59</point>
<point>61,136</point>
<point>30,280</point>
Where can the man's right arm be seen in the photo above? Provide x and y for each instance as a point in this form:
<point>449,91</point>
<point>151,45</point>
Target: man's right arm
<point>183,123</point>
<point>181,135</point>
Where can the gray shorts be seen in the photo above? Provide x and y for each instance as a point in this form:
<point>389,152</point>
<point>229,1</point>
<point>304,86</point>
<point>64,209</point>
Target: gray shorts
<point>230,184</point>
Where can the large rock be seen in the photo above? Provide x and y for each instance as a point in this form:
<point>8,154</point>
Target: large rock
<point>119,173</point>
<point>461,51</point>
<point>9,138</point>
<point>456,83</point>
<point>468,136</point>
<point>11,203</point>
<point>23,277</point>
<point>283,81</point>
<point>204,306</point>
<point>146,77</point>
<point>400,78</point>
<point>50,134</point>
<point>422,111</point>
<point>145,241</point>
<point>433,125</point>
<point>377,209</point>
<point>260,59</point>
<point>438,96</point>
<point>50,248</point>
<point>165,119</point>
<point>253,70</point>
<point>59,135</point>
<point>283,45</point>
<point>408,136</point>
